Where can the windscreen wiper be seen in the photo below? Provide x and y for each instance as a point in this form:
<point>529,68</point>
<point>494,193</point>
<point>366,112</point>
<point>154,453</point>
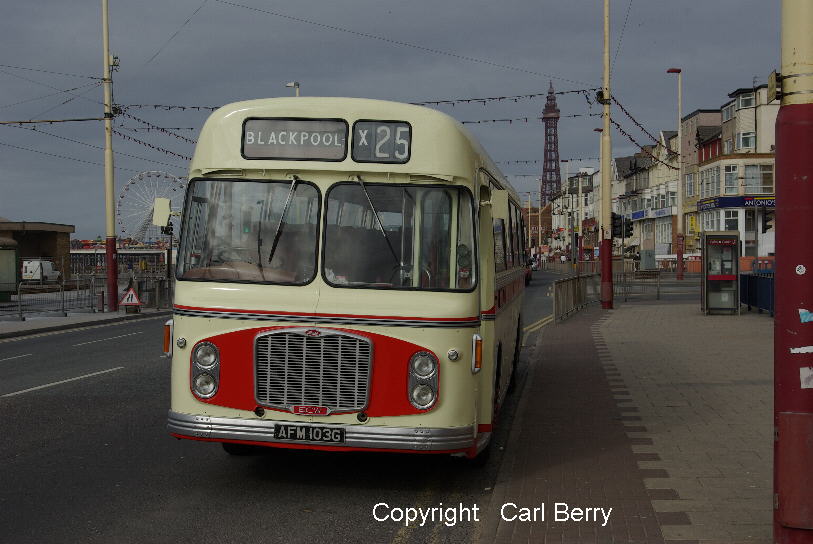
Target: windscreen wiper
<point>281,223</point>
<point>378,221</point>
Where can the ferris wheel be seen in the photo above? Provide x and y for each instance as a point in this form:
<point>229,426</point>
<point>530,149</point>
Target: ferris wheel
<point>135,204</point>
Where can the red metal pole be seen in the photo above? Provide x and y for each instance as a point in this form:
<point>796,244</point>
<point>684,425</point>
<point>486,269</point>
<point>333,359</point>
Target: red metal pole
<point>112,266</point>
<point>793,328</point>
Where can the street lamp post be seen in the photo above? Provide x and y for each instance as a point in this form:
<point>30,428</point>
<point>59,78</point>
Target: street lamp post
<point>606,251</point>
<point>111,261</point>
<point>680,240</point>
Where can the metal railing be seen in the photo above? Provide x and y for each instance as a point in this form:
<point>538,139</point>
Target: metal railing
<point>37,297</point>
<point>569,268</point>
<point>572,294</point>
<point>757,290</point>
<point>85,294</point>
<point>640,282</point>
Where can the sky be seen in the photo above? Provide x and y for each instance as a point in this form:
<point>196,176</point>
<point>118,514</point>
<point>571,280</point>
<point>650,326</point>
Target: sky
<point>212,52</point>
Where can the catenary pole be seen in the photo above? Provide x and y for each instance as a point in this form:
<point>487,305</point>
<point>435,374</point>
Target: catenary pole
<point>605,250</point>
<point>680,242</point>
<point>111,260</point>
<point>793,328</point>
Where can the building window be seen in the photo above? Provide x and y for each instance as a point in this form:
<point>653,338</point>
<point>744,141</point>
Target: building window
<point>732,219</point>
<point>745,101</point>
<point>710,182</point>
<point>746,140</point>
<point>689,184</point>
<point>672,199</point>
<point>691,224</point>
<point>766,173</point>
<point>711,220</point>
<point>731,183</point>
<point>750,221</point>
<point>729,146</point>
<point>728,112</point>
<point>758,178</point>
<point>663,232</point>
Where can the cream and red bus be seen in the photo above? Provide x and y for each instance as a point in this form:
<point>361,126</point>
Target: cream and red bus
<point>349,277</point>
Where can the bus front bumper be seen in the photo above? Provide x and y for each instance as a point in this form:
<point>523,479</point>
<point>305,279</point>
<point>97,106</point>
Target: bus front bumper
<point>355,436</point>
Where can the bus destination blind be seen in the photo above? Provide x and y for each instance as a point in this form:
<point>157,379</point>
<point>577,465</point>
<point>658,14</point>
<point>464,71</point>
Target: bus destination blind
<point>295,139</point>
<point>382,141</point>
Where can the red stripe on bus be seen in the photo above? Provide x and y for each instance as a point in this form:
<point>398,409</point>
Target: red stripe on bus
<point>722,277</point>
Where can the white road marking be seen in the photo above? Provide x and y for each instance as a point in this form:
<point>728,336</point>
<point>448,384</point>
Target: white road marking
<point>16,357</point>
<point>111,338</point>
<point>61,382</point>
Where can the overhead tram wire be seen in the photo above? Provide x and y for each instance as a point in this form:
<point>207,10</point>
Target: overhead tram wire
<point>621,36</point>
<point>176,33</point>
<point>94,84</point>
<point>118,153</point>
<point>48,71</point>
<point>514,98</point>
<point>159,129</point>
<point>401,43</point>
<point>451,101</point>
<point>524,119</point>
<point>635,121</point>
<point>50,121</point>
<point>61,156</point>
<point>74,97</point>
<point>641,147</point>
<point>151,146</point>
<point>49,86</point>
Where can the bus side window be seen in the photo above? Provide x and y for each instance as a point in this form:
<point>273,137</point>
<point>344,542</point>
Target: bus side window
<point>499,245</point>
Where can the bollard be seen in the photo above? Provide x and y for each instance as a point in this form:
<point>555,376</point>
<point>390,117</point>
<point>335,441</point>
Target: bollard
<point>100,301</point>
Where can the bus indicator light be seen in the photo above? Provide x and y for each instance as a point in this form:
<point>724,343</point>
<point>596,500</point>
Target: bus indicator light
<point>477,354</point>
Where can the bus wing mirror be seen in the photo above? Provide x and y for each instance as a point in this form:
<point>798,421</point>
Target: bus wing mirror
<point>160,212</point>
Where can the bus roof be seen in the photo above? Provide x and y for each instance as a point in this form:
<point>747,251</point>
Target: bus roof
<point>440,146</point>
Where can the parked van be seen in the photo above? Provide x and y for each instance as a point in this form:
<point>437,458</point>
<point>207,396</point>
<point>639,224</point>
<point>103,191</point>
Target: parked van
<point>39,270</point>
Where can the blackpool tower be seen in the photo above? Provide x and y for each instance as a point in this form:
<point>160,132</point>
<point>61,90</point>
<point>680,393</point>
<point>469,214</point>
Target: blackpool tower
<point>551,175</point>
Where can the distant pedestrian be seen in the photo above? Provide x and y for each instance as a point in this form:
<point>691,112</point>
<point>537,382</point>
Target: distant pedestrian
<point>563,258</point>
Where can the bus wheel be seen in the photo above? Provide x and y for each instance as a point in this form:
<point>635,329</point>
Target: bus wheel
<point>238,449</point>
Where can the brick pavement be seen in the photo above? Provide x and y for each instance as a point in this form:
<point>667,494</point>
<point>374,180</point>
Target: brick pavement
<point>703,388</point>
<point>568,444</point>
<point>654,410</point>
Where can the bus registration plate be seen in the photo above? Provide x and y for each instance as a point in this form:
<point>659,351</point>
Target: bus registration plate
<point>301,433</point>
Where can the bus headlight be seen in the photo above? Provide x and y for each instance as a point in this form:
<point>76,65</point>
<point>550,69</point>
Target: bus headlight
<point>205,355</point>
<point>205,373</point>
<point>205,385</point>
<point>423,365</point>
<point>422,396</point>
<point>423,380</point>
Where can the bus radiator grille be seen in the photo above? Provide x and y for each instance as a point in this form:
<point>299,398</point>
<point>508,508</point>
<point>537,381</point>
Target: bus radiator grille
<point>300,367</point>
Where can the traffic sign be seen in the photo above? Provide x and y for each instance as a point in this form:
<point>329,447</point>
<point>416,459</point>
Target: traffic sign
<point>130,298</point>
